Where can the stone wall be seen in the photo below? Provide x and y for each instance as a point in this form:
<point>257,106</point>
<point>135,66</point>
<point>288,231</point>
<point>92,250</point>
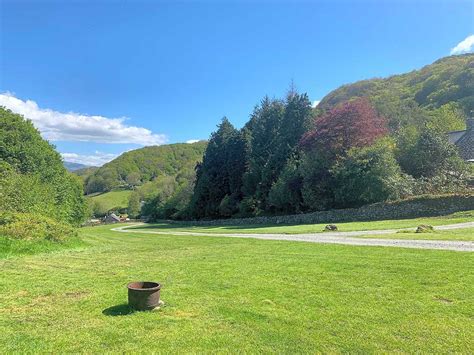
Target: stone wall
<point>423,206</point>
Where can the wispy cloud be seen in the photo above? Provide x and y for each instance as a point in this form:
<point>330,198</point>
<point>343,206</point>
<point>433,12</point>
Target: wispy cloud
<point>315,103</point>
<point>59,126</point>
<point>96,159</point>
<point>191,141</point>
<point>464,46</point>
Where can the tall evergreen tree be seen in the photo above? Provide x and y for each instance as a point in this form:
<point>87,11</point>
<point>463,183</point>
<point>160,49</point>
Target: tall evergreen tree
<point>220,173</point>
<point>275,127</point>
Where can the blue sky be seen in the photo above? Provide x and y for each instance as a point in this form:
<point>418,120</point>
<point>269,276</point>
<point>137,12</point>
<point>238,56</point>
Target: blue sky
<point>102,77</point>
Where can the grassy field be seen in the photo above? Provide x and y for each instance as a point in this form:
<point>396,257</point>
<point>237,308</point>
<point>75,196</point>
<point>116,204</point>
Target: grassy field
<point>111,199</point>
<point>230,294</point>
<point>466,234</point>
<point>458,217</point>
<point>13,247</point>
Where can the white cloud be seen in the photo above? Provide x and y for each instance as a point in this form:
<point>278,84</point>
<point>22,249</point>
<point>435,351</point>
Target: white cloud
<point>59,126</point>
<point>191,141</point>
<point>464,46</point>
<point>97,159</point>
<point>315,103</point>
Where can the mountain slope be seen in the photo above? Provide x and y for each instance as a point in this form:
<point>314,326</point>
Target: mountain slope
<point>70,166</point>
<point>450,79</point>
<point>142,165</point>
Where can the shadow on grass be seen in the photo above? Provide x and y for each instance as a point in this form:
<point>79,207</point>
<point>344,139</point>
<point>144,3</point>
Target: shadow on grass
<point>118,310</point>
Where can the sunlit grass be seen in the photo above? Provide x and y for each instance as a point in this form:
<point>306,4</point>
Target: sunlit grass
<point>458,217</point>
<point>112,199</point>
<point>466,234</point>
<point>231,294</point>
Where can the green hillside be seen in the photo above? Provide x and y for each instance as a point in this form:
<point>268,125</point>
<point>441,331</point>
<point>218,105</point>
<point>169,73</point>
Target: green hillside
<point>450,79</point>
<point>111,200</point>
<point>139,166</point>
<point>84,173</point>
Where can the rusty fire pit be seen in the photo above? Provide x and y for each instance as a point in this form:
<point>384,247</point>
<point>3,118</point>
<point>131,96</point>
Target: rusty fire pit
<point>143,295</point>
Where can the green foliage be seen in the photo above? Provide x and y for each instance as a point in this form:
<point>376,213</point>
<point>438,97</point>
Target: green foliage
<point>429,155</point>
<point>167,196</point>
<point>34,227</point>
<point>317,189</point>
<point>448,117</point>
<point>229,206</point>
<point>285,195</point>
<point>143,165</point>
<point>133,208</point>
<point>450,79</point>
<point>273,132</point>
<point>32,175</point>
<point>221,171</point>
<point>367,175</point>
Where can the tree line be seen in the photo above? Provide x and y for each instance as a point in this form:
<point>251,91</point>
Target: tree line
<point>290,158</point>
<point>32,176</point>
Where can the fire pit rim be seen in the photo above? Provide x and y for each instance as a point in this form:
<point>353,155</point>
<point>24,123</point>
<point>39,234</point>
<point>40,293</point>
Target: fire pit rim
<point>133,286</point>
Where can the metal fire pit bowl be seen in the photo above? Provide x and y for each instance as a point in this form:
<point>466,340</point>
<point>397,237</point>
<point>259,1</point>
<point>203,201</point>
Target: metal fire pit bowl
<point>143,295</point>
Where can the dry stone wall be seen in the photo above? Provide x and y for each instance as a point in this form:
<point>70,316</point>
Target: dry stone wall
<point>423,206</point>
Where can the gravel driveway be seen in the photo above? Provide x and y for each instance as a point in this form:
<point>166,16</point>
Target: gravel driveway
<point>347,238</point>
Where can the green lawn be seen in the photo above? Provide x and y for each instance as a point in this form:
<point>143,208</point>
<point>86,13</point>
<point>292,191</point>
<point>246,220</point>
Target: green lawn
<point>231,294</point>
<point>458,217</point>
<point>466,234</point>
<point>111,199</point>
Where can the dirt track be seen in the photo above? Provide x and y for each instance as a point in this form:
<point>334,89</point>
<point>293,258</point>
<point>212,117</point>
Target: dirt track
<point>347,238</point>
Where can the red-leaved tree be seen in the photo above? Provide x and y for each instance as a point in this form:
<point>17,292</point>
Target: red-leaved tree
<point>351,124</point>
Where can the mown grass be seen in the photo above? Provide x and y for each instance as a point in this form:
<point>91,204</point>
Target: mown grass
<point>230,294</point>
<point>13,247</point>
<point>458,217</point>
<point>112,199</point>
<point>466,234</point>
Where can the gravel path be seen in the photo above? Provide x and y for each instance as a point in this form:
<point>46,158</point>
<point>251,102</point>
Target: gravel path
<point>348,238</point>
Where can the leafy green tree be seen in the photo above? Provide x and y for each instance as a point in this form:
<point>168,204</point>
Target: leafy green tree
<point>431,155</point>
<point>134,206</point>
<point>33,176</point>
<point>367,175</point>
<point>448,117</point>
<point>133,179</point>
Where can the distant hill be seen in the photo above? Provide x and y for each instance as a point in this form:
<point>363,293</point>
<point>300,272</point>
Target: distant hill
<point>450,79</point>
<point>139,166</point>
<point>84,173</point>
<point>70,166</point>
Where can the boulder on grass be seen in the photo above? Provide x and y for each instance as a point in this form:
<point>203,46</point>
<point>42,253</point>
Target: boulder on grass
<point>330,228</point>
<point>424,228</point>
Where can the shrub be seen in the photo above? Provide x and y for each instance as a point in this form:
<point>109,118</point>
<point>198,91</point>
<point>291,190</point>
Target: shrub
<point>367,175</point>
<point>34,227</point>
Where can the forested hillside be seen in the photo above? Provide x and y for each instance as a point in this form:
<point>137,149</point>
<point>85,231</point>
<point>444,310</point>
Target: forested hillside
<point>84,173</point>
<point>375,140</point>
<point>447,81</point>
<point>139,166</point>
<point>70,166</point>
<point>160,180</point>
